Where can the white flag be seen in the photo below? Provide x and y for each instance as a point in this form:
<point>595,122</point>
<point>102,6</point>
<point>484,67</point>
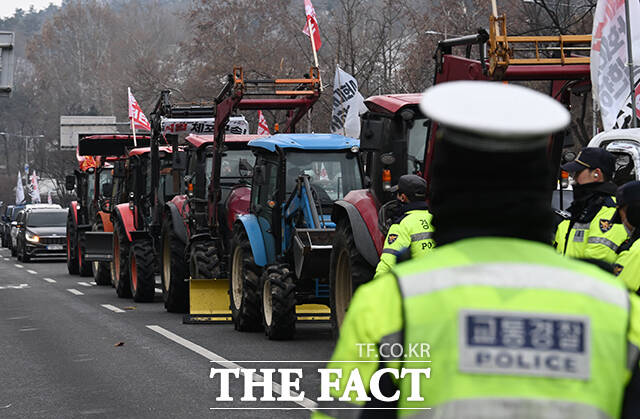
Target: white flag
<point>19,190</point>
<point>35,191</point>
<point>348,105</point>
<point>609,71</point>
<point>49,200</point>
<point>263,127</point>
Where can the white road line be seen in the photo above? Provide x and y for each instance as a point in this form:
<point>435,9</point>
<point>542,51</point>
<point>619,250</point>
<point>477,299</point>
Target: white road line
<point>6,259</point>
<point>49,280</point>
<point>211,356</point>
<point>112,308</point>
<point>158,290</point>
<point>75,291</point>
<point>93,283</point>
<point>18,265</point>
<point>32,272</point>
<point>84,284</point>
<point>27,329</point>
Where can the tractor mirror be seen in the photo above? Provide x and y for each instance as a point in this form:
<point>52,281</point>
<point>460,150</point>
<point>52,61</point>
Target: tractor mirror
<point>244,168</point>
<point>259,176</point>
<point>179,160</point>
<point>568,156</point>
<point>70,182</point>
<point>372,134</point>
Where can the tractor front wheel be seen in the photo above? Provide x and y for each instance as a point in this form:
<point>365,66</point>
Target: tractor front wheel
<point>101,273</point>
<point>244,284</point>
<point>279,302</point>
<point>120,261</point>
<point>72,243</point>
<point>347,271</point>
<point>175,290</point>
<point>141,271</point>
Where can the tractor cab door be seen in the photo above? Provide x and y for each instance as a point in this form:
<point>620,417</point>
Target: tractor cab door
<point>627,161</point>
<point>264,198</point>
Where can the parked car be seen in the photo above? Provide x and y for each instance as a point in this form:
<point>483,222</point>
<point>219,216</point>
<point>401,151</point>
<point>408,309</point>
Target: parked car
<point>42,234</point>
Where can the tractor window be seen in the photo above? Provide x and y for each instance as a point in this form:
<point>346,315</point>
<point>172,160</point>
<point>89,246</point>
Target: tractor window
<point>91,185</point>
<point>625,169</point>
<point>332,175</point>
<point>230,173</point>
<point>417,137</point>
<point>262,194</point>
<point>106,178</point>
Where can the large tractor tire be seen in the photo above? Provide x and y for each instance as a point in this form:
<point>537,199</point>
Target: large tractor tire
<point>203,261</point>
<point>101,273</point>
<point>347,271</point>
<point>175,288</point>
<point>84,267</point>
<point>72,246</point>
<point>279,302</point>
<point>14,253</point>
<point>22,250</point>
<point>244,283</point>
<point>120,261</point>
<point>141,271</point>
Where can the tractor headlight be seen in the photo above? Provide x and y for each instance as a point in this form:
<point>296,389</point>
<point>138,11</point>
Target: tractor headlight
<point>31,237</point>
<point>355,149</point>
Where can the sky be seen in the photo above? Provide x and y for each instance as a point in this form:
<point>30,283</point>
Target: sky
<point>8,7</point>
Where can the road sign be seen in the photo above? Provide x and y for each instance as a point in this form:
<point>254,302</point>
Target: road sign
<point>7,42</point>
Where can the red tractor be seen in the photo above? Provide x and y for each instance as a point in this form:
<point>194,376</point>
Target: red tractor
<point>91,211</point>
<point>397,139</point>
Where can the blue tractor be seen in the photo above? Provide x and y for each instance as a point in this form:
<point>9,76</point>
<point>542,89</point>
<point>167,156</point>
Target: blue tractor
<point>280,250</point>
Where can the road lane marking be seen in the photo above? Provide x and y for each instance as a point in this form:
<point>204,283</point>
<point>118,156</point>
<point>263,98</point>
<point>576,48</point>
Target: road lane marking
<point>159,290</point>
<point>84,284</point>
<point>32,272</point>
<point>93,283</point>
<point>112,308</point>
<point>15,287</point>
<point>28,329</point>
<point>75,291</point>
<point>49,280</point>
<point>211,356</point>
<point>18,265</point>
<point>6,259</point>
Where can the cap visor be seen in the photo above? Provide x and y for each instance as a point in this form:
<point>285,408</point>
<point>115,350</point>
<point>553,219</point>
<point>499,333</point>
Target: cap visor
<point>573,167</point>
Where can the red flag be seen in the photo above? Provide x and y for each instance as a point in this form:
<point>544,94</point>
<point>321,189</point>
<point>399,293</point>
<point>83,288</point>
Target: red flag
<point>263,127</point>
<point>136,115</point>
<point>313,22</point>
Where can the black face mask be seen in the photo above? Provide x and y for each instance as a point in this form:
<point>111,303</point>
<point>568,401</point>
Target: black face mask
<point>588,191</point>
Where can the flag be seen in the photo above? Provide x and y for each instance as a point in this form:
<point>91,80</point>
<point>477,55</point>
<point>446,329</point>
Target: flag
<point>323,173</point>
<point>609,71</point>
<point>136,116</point>
<point>313,22</point>
<point>85,162</point>
<point>348,105</point>
<point>49,200</point>
<point>263,127</point>
<point>35,191</point>
<point>19,190</point>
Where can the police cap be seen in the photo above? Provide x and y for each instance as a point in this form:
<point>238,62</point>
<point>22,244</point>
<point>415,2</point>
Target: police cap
<point>629,193</point>
<point>592,158</point>
<point>493,116</point>
<point>413,186</point>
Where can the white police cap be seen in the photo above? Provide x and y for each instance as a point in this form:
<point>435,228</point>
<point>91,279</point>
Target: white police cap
<point>506,116</point>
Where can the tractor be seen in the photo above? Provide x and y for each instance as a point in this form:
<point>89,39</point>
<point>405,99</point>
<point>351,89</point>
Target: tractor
<point>397,139</point>
<point>280,250</point>
<point>90,213</point>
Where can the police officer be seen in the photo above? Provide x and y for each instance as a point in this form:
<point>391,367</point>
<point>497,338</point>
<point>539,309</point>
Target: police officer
<point>589,233</point>
<point>413,229</point>
<point>627,265</point>
<point>511,328</point>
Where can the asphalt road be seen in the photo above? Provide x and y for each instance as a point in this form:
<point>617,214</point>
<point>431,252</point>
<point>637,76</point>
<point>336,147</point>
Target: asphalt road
<point>69,348</point>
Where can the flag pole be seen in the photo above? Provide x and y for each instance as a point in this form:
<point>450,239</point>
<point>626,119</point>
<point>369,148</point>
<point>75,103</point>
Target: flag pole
<point>135,143</point>
<point>315,53</point>
<point>634,117</point>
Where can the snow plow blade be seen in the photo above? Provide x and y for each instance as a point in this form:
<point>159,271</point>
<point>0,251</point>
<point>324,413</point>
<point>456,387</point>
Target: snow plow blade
<point>98,246</point>
<point>208,301</point>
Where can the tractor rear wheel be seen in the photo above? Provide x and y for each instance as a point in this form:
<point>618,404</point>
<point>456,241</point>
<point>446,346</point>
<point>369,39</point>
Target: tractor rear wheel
<point>72,243</point>
<point>120,261</point>
<point>101,274</point>
<point>175,289</point>
<point>84,267</point>
<point>347,271</point>
<point>141,271</point>
<point>279,302</point>
<point>244,284</point>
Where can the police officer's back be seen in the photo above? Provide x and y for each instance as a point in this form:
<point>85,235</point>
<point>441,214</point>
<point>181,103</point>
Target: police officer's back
<point>514,329</point>
<point>590,232</point>
<point>627,265</point>
<point>412,230</point>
